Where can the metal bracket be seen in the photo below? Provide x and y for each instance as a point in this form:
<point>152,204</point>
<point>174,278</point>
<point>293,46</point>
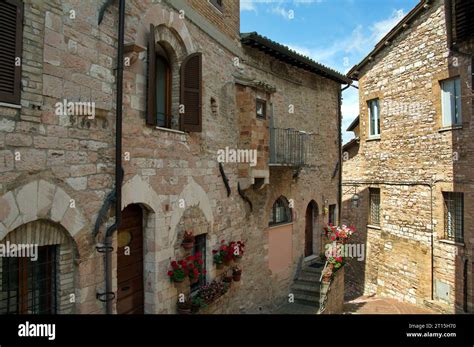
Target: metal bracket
<point>104,249</point>
<point>108,296</point>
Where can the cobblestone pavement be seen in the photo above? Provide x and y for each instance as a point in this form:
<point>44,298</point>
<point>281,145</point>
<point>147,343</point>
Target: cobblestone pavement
<point>378,305</point>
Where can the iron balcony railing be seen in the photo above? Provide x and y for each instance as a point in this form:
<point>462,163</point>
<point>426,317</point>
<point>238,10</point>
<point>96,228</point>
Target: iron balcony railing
<point>289,147</point>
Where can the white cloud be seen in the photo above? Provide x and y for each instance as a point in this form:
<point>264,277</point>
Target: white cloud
<point>251,5</point>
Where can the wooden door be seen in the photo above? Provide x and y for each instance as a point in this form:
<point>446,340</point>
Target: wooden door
<point>308,244</point>
<point>130,294</point>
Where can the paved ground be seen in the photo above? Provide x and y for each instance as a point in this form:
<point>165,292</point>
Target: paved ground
<point>296,309</point>
<point>377,305</point>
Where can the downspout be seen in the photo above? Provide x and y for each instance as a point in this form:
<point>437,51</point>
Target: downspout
<point>107,244</point>
<point>339,186</point>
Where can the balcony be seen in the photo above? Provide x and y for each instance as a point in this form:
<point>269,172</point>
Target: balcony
<point>289,147</point>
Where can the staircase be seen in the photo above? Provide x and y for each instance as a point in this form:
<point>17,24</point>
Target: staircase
<point>306,287</point>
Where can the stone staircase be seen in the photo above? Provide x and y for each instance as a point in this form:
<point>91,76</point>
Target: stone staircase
<point>306,287</point>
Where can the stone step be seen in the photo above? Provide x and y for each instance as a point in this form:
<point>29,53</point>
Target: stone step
<point>307,299</point>
<point>312,269</point>
<point>309,277</point>
<point>302,286</point>
<point>308,303</point>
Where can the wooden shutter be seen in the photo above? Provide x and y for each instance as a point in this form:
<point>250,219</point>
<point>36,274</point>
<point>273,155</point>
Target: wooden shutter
<point>11,34</point>
<point>151,118</point>
<point>191,93</point>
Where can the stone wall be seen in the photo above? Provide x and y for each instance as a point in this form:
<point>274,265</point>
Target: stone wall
<point>413,151</point>
<point>173,175</point>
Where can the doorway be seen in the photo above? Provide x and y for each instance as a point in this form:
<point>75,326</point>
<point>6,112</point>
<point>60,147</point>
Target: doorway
<point>311,216</point>
<point>130,292</point>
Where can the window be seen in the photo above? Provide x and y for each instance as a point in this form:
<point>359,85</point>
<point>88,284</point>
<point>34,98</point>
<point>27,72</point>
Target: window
<point>261,108</point>
<point>451,102</point>
<point>11,29</point>
<point>159,87</point>
<point>332,214</point>
<point>374,118</point>
<point>374,213</point>
<point>453,216</point>
<point>27,286</point>
<point>200,246</point>
<point>217,4</point>
<point>281,212</point>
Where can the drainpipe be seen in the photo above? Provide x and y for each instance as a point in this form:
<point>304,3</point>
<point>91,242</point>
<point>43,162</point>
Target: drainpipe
<point>339,186</point>
<point>107,245</point>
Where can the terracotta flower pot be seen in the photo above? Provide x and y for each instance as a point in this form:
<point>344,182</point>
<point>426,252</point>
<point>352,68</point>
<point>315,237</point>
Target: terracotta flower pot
<point>236,276</point>
<point>188,245</point>
<point>228,279</point>
<point>237,259</point>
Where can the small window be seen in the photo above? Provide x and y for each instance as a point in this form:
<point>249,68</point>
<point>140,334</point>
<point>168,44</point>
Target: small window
<point>374,117</point>
<point>261,108</point>
<point>332,214</point>
<point>163,92</point>
<point>29,286</point>
<point>451,102</point>
<point>281,212</point>
<point>11,29</point>
<point>374,213</point>
<point>453,216</point>
<point>217,4</point>
<point>200,246</point>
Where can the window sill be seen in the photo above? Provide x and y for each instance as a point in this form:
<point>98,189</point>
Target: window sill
<point>171,130</point>
<point>376,227</point>
<point>6,104</point>
<point>373,138</point>
<point>451,242</point>
<point>449,128</point>
<point>277,225</point>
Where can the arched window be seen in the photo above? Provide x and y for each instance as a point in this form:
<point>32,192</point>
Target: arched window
<point>163,88</point>
<point>281,212</point>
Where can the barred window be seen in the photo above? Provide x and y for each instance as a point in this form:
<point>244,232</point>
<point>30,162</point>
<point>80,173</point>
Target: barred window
<point>200,246</point>
<point>28,286</point>
<point>453,216</point>
<point>332,214</point>
<point>281,212</point>
<point>374,213</point>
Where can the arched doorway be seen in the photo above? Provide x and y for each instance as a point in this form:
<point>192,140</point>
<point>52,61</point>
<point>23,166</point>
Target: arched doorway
<point>311,223</point>
<point>130,291</point>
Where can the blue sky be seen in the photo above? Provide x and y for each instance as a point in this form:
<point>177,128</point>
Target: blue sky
<point>336,33</point>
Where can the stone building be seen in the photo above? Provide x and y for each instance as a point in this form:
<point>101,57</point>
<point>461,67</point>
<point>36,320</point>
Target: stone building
<point>194,87</point>
<point>408,181</point>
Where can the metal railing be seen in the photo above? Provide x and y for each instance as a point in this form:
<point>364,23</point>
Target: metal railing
<point>289,147</point>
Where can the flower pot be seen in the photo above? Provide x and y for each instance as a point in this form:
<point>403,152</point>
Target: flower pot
<point>237,259</point>
<point>327,278</point>
<point>188,245</point>
<point>219,266</point>
<point>236,276</point>
<point>228,279</point>
<point>331,266</point>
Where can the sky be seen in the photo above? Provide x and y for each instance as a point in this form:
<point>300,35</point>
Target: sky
<point>336,33</point>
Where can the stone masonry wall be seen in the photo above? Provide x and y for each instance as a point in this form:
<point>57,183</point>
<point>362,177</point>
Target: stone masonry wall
<point>414,149</point>
<point>66,163</point>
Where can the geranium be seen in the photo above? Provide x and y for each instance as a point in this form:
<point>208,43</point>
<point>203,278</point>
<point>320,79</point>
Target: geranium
<point>178,272</point>
<point>338,234</point>
<point>237,249</point>
<point>222,254</point>
<point>191,266</point>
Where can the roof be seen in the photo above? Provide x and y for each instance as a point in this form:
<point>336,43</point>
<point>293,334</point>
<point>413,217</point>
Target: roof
<point>354,124</point>
<point>290,56</point>
<point>351,143</point>
<point>386,40</point>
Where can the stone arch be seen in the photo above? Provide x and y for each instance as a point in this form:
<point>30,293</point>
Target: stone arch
<point>138,191</point>
<point>192,195</point>
<point>44,233</point>
<point>159,15</point>
<point>40,200</point>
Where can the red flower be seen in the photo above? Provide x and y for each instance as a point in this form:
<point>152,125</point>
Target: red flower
<point>170,273</point>
<point>191,266</point>
<point>174,265</point>
<point>333,238</point>
<point>224,248</point>
<point>339,259</point>
<point>200,262</point>
<point>204,272</point>
<point>198,255</point>
<point>222,241</point>
<point>214,251</point>
<point>196,272</point>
